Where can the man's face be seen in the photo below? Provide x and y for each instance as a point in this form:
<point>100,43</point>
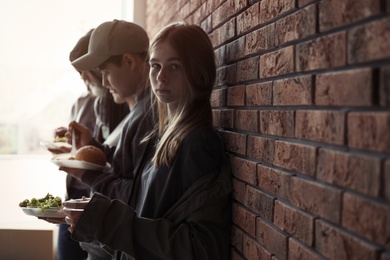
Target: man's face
<point>118,79</point>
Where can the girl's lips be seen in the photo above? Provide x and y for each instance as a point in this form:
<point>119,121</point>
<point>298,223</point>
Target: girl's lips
<point>162,91</point>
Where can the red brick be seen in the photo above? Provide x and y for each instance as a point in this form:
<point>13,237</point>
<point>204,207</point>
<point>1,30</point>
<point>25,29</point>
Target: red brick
<point>298,251</point>
<point>239,190</point>
<point>205,24</point>
<point>369,131</point>
<point>234,255</point>
<point>277,122</point>
<point>236,96</point>
<point>333,243</point>
<point>181,14</point>
<point>213,5</point>
<point>270,9</point>
<point>369,42</point>
<point>223,33</point>
<point>216,118</point>
<point>269,236</point>
<point>244,170</point>
<point>235,142</point>
<point>244,219</point>
<point>260,40</point>
<point>335,13</point>
<point>248,69</point>
<point>259,202</point>
<point>277,63</point>
<point>220,56</point>
<point>274,181</point>
<point>259,94</point>
<point>357,172</point>
<point>316,198</point>
<point>294,222</point>
<point>218,98</point>
<point>237,238</point>
<point>293,91</point>
<point>226,75</point>
<point>195,4</point>
<point>384,87</point>
<point>296,26</point>
<point>386,182</point>
<point>253,250</point>
<point>260,148</point>
<point>367,218</point>
<point>247,120</point>
<point>346,88</point>
<point>248,19</point>
<point>227,117</point>
<point>296,157</point>
<point>226,10</point>
<point>201,14</point>
<point>236,49</point>
<point>323,53</point>
<point>302,3</point>
<point>223,118</point>
<point>321,126</point>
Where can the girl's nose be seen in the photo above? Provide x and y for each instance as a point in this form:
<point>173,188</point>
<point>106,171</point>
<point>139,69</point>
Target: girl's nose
<point>162,75</point>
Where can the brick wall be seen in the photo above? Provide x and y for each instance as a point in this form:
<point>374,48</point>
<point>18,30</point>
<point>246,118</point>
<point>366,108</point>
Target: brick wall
<point>303,99</point>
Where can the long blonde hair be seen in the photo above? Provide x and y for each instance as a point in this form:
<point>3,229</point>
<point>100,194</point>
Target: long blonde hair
<point>195,50</point>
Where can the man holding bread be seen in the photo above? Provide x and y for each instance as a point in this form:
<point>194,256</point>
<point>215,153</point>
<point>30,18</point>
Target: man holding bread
<point>119,49</point>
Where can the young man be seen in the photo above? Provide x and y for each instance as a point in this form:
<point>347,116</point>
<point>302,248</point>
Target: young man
<point>119,50</point>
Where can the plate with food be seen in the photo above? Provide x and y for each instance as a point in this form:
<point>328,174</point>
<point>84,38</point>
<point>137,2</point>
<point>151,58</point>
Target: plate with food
<point>55,212</point>
<point>86,158</point>
<point>55,145</point>
<point>48,207</point>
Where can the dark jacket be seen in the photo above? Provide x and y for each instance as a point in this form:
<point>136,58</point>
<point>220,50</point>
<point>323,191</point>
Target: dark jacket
<point>116,181</point>
<point>182,212</point>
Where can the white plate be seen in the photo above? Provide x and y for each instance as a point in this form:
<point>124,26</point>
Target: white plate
<point>54,145</point>
<point>48,213</point>
<point>63,160</point>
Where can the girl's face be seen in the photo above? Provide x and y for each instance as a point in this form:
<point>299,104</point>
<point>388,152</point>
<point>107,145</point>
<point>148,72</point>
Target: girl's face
<point>167,75</point>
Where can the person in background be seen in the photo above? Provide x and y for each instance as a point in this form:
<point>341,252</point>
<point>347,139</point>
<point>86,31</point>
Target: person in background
<point>119,50</point>
<point>179,207</point>
<point>101,114</point>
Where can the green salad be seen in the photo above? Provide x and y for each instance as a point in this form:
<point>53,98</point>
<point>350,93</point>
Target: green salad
<point>49,201</point>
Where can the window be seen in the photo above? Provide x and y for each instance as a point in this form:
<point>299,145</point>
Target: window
<point>38,84</point>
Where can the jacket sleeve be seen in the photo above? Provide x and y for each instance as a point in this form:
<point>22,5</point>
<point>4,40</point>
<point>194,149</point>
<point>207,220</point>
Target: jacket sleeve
<point>106,181</point>
<point>116,182</point>
<point>202,233</point>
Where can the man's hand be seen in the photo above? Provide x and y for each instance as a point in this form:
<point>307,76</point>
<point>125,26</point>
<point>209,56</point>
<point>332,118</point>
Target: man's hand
<point>83,134</point>
<point>59,150</point>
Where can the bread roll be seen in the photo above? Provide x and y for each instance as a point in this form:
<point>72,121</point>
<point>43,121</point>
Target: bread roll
<point>91,154</point>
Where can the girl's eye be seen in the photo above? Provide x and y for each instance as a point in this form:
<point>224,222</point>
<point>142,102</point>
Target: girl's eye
<point>175,67</point>
<point>155,66</point>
